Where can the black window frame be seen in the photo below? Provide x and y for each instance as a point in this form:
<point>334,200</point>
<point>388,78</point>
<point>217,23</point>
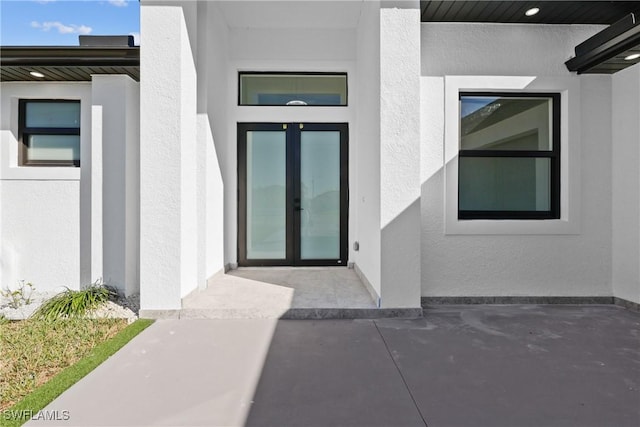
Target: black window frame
<point>553,155</point>
<point>294,73</point>
<point>24,132</point>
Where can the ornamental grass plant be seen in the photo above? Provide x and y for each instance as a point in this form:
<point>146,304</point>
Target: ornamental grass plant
<point>71,304</point>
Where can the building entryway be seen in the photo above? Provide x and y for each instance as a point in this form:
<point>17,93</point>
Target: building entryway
<point>282,292</point>
<point>293,194</point>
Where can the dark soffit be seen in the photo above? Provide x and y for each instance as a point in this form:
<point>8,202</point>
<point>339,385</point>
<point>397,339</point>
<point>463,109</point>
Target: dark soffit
<point>551,12</point>
<point>66,63</point>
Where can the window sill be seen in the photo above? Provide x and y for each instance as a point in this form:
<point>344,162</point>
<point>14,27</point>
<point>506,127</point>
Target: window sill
<point>511,227</point>
<point>41,173</point>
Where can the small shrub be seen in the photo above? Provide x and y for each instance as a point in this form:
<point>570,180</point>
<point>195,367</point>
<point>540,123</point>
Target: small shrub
<point>20,296</point>
<point>74,304</point>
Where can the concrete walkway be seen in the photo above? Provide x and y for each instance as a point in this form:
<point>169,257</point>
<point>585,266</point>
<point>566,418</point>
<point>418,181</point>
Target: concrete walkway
<point>457,366</point>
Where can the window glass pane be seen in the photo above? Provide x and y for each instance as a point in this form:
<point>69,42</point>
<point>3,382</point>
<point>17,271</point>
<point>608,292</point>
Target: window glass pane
<point>504,184</point>
<point>266,195</point>
<point>53,114</point>
<point>293,89</point>
<point>320,191</point>
<point>505,123</point>
<point>54,147</point>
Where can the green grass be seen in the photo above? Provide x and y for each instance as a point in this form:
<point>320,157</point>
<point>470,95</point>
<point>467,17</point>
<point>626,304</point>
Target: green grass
<point>51,389</point>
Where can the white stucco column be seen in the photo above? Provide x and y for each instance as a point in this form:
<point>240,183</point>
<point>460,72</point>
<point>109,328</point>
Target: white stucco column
<point>96,191</point>
<point>400,153</point>
<point>115,181</point>
<point>168,218</point>
<point>626,184</point>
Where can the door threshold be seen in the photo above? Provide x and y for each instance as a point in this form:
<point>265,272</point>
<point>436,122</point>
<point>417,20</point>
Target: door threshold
<point>293,267</point>
<point>286,314</point>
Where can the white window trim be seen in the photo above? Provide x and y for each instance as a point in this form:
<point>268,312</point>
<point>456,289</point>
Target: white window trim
<point>570,156</point>
<point>12,92</point>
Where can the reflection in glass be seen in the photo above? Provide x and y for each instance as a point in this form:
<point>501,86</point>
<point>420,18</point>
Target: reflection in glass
<point>54,147</point>
<point>266,195</point>
<point>504,184</point>
<point>505,123</point>
<point>293,89</point>
<point>320,191</point>
<point>53,114</point>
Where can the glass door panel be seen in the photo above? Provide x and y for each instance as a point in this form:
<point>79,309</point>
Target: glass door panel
<point>320,195</point>
<point>266,192</point>
<point>292,194</point>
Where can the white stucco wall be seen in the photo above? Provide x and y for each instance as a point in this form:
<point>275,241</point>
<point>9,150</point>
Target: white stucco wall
<point>400,154</point>
<point>40,207</point>
<point>54,229</point>
<point>188,163</point>
<point>212,88</point>
<point>571,262</point>
<point>115,148</point>
<point>500,49</point>
<point>367,156</point>
<point>626,184</point>
<point>168,225</point>
<point>41,233</point>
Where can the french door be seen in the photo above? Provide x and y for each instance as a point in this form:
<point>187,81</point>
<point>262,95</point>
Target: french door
<point>293,194</point>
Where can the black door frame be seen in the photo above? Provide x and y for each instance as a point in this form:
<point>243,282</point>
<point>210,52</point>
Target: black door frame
<point>293,221</point>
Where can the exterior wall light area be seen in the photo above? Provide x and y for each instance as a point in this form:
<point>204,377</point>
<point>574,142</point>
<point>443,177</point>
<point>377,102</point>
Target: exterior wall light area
<point>532,11</point>
<point>603,53</point>
<point>36,74</point>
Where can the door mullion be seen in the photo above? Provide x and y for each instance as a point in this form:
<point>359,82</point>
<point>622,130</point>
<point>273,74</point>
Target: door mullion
<point>296,191</point>
<point>290,176</point>
<point>344,193</point>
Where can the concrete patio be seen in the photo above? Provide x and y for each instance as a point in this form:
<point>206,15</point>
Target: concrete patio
<point>512,366</point>
<point>286,293</point>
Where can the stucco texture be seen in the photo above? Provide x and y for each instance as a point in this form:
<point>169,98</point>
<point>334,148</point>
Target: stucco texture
<point>512,264</point>
<point>40,233</point>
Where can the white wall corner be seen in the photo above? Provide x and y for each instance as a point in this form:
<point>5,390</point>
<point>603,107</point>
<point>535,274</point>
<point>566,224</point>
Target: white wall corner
<point>96,192</point>
<point>400,156</point>
<point>626,184</point>
<point>366,195</point>
<point>115,176</point>
<point>168,225</point>
<point>211,194</point>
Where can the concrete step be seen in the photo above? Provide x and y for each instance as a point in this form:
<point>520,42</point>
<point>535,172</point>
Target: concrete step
<point>281,313</point>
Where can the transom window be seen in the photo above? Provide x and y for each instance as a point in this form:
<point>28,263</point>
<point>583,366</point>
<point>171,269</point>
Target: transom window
<point>49,132</point>
<point>509,158</point>
<point>293,89</point>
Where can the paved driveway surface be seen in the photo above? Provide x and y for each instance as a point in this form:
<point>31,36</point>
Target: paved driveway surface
<point>459,366</point>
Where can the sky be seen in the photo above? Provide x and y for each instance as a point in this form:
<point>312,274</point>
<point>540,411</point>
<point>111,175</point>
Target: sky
<point>60,22</point>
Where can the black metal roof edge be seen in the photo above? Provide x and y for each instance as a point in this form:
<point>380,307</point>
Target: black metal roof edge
<point>69,55</point>
<point>602,52</point>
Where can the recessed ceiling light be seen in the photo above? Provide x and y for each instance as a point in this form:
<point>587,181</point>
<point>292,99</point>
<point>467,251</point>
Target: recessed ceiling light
<point>36,74</point>
<point>532,11</point>
<point>632,57</point>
